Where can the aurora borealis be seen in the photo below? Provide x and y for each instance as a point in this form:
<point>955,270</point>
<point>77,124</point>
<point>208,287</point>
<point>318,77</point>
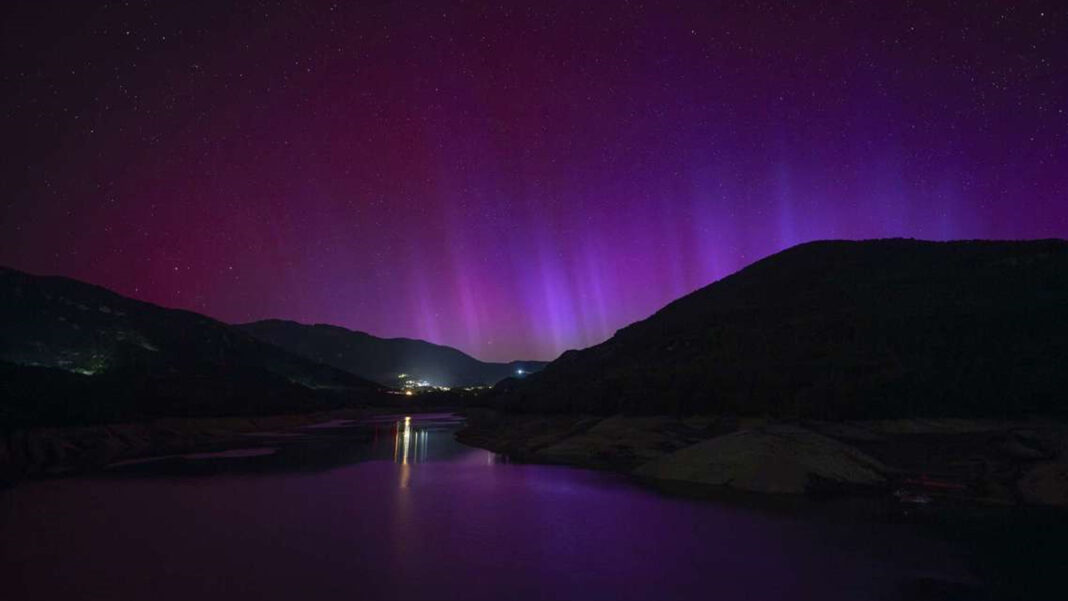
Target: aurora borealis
<point>517,179</point>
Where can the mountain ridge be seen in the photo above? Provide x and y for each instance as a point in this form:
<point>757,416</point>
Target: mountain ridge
<point>384,359</point>
<point>76,352</point>
<point>834,329</point>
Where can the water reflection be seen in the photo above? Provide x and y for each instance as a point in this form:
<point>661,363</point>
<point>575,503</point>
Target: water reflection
<point>404,440</point>
<point>410,444</point>
<point>393,507</point>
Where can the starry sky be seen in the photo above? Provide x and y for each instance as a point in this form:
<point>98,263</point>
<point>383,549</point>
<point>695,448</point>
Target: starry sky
<point>513,179</point>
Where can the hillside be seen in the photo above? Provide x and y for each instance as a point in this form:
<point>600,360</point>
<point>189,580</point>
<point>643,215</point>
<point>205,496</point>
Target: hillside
<point>384,359</point>
<point>71,352</point>
<point>839,329</point>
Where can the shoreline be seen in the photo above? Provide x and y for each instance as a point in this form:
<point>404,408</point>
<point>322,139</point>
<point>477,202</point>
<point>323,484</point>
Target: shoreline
<point>57,451</point>
<point>984,463</point>
<point>920,462</point>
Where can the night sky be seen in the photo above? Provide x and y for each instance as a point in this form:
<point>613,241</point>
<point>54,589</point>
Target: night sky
<point>513,180</point>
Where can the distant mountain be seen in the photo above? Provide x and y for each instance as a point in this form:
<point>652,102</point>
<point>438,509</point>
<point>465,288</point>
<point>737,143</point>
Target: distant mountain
<point>839,329</point>
<point>73,352</point>
<point>384,359</point>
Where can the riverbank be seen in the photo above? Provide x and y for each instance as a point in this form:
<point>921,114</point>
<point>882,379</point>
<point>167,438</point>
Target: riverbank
<point>916,461</point>
<point>58,451</point>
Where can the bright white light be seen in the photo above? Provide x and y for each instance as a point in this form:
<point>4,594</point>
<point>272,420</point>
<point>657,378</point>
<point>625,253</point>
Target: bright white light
<point>519,372</point>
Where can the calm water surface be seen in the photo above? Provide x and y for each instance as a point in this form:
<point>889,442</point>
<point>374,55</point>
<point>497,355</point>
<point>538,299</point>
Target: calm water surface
<point>396,509</point>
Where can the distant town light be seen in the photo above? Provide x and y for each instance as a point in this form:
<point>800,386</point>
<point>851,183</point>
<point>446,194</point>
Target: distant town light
<point>519,372</point>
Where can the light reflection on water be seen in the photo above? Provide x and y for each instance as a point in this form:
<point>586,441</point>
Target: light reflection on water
<point>410,444</point>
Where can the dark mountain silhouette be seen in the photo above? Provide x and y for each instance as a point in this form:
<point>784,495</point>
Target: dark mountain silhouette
<point>839,329</point>
<point>72,352</point>
<point>384,359</point>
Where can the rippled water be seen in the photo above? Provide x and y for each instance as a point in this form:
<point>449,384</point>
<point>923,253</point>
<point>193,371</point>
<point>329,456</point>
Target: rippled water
<point>394,508</point>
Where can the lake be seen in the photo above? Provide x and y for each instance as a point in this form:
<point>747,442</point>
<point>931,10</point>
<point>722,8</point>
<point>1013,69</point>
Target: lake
<point>394,508</point>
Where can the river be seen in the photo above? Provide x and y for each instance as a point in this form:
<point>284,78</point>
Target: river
<point>394,508</point>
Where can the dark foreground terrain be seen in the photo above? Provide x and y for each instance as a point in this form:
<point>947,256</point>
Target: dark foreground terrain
<point>949,460</point>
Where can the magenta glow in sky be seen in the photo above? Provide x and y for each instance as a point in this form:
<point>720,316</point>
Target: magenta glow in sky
<point>511,180</point>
